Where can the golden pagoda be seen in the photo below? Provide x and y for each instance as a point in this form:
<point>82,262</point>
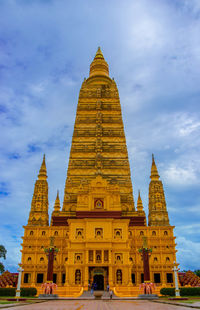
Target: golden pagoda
<point>98,231</point>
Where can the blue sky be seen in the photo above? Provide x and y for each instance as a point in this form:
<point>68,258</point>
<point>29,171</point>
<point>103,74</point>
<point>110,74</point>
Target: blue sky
<point>153,51</point>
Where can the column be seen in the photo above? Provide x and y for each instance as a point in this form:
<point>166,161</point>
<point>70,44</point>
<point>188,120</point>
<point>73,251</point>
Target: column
<point>110,276</point>
<point>177,291</point>
<point>19,281</point>
<point>85,278</point>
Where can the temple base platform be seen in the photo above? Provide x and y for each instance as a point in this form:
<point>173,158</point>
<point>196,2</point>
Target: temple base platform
<point>48,296</point>
<point>148,296</point>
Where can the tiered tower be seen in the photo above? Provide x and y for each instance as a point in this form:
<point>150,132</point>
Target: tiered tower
<point>158,215</point>
<point>39,207</point>
<point>98,144</point>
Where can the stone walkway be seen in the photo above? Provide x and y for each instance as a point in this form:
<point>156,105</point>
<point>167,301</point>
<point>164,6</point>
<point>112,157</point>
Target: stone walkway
<point>99,305</point>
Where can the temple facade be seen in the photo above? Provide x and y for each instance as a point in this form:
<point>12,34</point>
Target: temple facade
<point>98,230</point>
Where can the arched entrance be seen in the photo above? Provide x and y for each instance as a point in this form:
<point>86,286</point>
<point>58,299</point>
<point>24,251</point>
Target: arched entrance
<point>99,280</point>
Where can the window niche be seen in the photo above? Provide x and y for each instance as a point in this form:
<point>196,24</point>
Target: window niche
<point>99,233</point>
<point>118,233</point>
<point>78,258</point>
<point>79,233</point>
<point>119,276</point>
<point>77,276</point>
<point>118,258</point>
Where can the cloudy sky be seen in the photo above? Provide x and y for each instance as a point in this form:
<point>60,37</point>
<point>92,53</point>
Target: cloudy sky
<point>153,51</point>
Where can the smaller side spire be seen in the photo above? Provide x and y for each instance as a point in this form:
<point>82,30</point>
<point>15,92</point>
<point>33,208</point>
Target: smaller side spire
<point>154,170</point>
<point>158,215</point>
<point>43,170</point>
<point>39,206</point>
<point>56,210</point>
<point>139,203</point>
<point>57,203</point>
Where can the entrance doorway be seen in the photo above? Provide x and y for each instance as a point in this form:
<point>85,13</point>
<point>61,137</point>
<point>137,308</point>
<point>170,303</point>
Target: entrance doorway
<point>99,280</point>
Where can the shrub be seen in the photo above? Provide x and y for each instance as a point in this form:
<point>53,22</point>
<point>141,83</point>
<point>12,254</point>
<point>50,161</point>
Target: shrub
<point>25,291</point>
<point>190,291</point>
<point>28,291</point>
<point>168,291</point>
<point>7,291</point>
<point>184,291</point>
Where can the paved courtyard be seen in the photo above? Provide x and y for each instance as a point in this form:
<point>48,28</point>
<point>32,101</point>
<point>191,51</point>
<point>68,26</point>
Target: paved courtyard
<point>100,305</point>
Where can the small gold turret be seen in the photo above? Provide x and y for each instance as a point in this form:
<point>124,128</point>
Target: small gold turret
<point>57,203</point>
<point>99,66</point>
<point>56,210</point>
<point>39,207</point>
<point>140,209</point>
<point>139,203</point>
<point>158,215</point>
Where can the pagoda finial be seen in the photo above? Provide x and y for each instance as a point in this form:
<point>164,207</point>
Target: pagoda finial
<point>154,170</point>
<point>99,66</point>
<point>139,203</point>
<point>43,170</point>
<point>99,53</point>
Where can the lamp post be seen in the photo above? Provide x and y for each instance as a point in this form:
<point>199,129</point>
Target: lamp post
<point>177,290</point>
<point>19,281</point>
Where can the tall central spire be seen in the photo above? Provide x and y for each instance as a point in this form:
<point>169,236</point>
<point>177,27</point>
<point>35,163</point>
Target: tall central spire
<point>99,66</point>
<point>98,145</point>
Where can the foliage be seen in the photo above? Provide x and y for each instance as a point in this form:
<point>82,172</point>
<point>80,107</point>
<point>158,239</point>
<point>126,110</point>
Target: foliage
<point>197,272</point>
<point>2,254</point>
<point>146,250</point>
<point>28,291</point>
<point>2,269</point>
<point>7,291</point>
<point>184,291</point>
<point>3,251</point>
<point>25,291</point>
<point>168,291</point>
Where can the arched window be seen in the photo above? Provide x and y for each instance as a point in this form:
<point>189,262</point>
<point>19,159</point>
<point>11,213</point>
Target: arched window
<point>155,259</point>
<point>79,233</point>
<point>29,259</point>
<point>98,233</point>
<point>167,259</point>
<point>66,259</point>
<point>167,247</point>
<point>118,233</point>
<point>31,233</point>
<point>130,233</point>
<point>165,233</point>
<point>119,276</point>
<point>78,257</point>
<point>141,233</point>
<point>77,276</point>
<point>55,233</point>
<point>153,233</point>
<point>43,233</point>
<point>41,259</point>
<point>118,257</point>
<point>98,257</point>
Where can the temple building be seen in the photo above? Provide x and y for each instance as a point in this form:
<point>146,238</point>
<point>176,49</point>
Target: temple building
<point>98,230</point>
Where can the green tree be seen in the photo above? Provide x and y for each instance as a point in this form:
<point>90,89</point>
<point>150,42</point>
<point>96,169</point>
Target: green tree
<point>2,254</point>
<point>197,272</point>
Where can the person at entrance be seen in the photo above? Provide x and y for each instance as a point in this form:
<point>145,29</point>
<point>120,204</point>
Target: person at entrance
<point>108,288</point>
<point>111,294</point>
